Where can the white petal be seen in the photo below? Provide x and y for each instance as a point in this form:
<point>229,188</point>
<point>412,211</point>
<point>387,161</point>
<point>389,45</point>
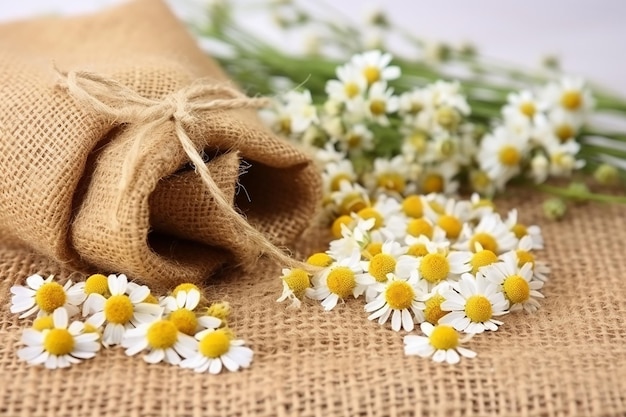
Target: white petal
<point>427,328</point>
<point>375,305</point>
<point>155,356</point>
<point>51,362</point>
<point>193,298</point>
<point>215,367</point>
<point>209,322</point>
<point>136,347</point>
<point>466,352</point>
<point>439,356</point>
<point>29,353</point>
<point>139,294</point>
<point>21,291</point>
<point>171,356</point>
<point>59,318</point>
<point>452,357</point>
<point>407,320</point>
<point>32,337</point>
<point>34,281</point>
<point>229,363</point>
<point>396,320</point>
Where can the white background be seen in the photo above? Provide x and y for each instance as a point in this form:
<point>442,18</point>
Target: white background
<point>587,35</point>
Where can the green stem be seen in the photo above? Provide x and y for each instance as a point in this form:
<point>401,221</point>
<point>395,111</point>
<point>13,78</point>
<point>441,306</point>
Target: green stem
<point>573,194</point>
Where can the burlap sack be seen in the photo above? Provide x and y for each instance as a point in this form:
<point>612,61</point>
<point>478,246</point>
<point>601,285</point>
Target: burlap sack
<point>568,359</point>
<point>93,170</point>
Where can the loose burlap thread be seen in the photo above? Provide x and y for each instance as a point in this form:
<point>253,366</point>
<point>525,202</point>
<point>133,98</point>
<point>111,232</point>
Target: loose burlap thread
<point>105,174</point>
<point>568,359</point>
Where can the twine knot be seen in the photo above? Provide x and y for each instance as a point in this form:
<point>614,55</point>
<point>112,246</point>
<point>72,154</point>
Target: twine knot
<point>108,97</point>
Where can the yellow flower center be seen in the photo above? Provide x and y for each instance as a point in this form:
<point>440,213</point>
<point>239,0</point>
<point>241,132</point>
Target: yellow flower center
<point>374,249</point>
<point>298,281</point>
<point>97,284</point>
<point>434,267</point>
<point>399,295</point>
<point>215,344</point>
<point>509,156</point>
<point>418,250</point>
<point>50,296</point>
<point>417,227</point>
<point>185,320</point>
<point>480,180</point>
<point>354,140</point>
<point>433,183</point>
<point>381,265</point>
<point>571,100</point>
<point>351,89</point>
<point>162,334</point>
<point>334,183</point>
<point>220,310</point>
<point>371,213</point>
<point>520,230</point>
<point>371,74</point>
<point>451,225</point>
<point>524,257</point>
<point>444,337</point>
<point>352,203</point>
<point>284,125</point>
<point>58,342</point>
<point>482,258</point>
<point>43,323</point>
<point>478,308</point>
<point>118,309</point>
<point>341,281</point>
<point>418,141</point>
<point>378,107</point>
<point>433,311</point>
<point>487,241</point>
<point>412,206</point>
<point>564,132</point>
<point>528,109</point>
<point>320,259</point>
<point>90,328</point>
<point>516,289</point>
<point>336,227</point>
<point>448,117</point>
<point>186,286</point>
<point>392,181</point>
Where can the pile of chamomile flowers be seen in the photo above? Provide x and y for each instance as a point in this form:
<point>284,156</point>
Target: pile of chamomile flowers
<point>74,321</point>
<point>451,267</point>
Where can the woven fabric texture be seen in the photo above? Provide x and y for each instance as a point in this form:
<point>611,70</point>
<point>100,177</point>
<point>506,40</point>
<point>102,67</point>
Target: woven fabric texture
<point>61,163</point>
<point>568,359</point>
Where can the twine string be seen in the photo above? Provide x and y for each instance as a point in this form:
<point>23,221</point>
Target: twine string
<point>108,97</point>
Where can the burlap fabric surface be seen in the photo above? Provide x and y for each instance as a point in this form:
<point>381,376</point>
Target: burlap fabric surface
<point>569,359</point>
<point>62,162</point>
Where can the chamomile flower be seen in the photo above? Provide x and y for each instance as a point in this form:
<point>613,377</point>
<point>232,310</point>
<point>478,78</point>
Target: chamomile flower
<point>563,158</point>
<point>180,309</point>
<point>350,198</point>
<point>440,265</point>
<point>302,112</point>
<point>45,296</point>
<point>389,221</point>
<point>491,232</point>
<point>374,66</point>
<point>520,230</point>
<point>432,302</point>
<point>523,103</point>
<point>350,83</point>
<point>122,310</point>
<point>354,238</point>
<point>389,175</point>
<point>378,103</point>
<point>217,349</point>
<point>337,172</point>
<point>472,304</point>
<point>58,345</point>
<point>501,154</point>
<point>162,338</point>
<point>450,217</point>
<point>439,178</point>
<point>441,342</point>
<point>383,263</point>
<point>448,94</point>
<point>340,281</point>
<point>571,94</point>
<point>399,299</point>
<point>517,283</point>
<point>524,255</point>
<point>481,258</point>
<point>295,283</point>
<point>539,168</point>
<point>356,139</point>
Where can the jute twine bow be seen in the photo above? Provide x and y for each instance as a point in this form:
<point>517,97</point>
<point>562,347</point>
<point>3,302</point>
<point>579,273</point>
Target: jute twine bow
<point>127,106</point>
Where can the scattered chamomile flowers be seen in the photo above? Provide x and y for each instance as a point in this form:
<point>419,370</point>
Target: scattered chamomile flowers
<point>455,276</point>
<point>178,329</point>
